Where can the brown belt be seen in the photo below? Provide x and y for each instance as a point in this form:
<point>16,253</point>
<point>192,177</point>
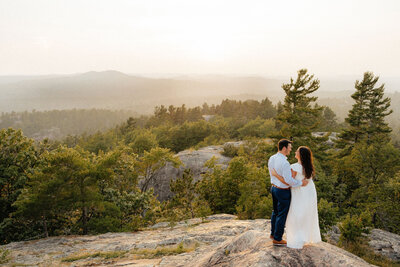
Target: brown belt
<point>280,187</point>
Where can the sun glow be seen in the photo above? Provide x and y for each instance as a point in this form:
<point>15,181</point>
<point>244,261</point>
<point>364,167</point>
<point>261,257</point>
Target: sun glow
<point>207,45</point>
<point>180,36</point>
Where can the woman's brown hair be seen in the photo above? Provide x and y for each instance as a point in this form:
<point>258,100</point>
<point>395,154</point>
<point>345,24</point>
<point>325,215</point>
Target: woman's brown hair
<point>306,159</point>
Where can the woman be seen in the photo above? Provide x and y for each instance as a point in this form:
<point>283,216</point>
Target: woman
<point>302,220</point>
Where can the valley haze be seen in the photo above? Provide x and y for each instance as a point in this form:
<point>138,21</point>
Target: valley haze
<point>142,92</point>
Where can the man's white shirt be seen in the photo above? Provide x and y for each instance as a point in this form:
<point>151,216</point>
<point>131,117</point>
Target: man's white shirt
<point>282,166</point>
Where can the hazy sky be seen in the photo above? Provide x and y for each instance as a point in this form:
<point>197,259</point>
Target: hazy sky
<point>205,36</point>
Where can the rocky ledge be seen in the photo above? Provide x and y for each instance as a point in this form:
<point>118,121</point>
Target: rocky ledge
<point>220,240</point>
<point>382,242</point>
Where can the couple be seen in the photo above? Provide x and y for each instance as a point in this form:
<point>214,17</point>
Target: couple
<point>294,197</point>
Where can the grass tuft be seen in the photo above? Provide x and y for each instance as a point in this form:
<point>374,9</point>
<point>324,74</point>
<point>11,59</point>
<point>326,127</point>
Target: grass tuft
<point>104,255</point>
<point>163,251</point>
<point>4,256</point>
<point>138,253</point>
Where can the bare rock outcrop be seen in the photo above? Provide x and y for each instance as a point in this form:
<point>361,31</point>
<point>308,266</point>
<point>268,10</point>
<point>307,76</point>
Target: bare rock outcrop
<point>382,242</point>
<point>193,160</point>
<point>385,243</point>
<point>254,248</point>
<point>332,138</point>
<point>221,240</point>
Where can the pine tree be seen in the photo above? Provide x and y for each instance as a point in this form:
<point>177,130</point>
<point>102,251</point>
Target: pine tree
<point>17,159</point>
<point>388,212</point>
<point>63,184</point>
<point>184,189</point>
<point>367,117</point>
<point>267,109</point>
<point>329,120</point>
<point>299,117</point>
<point>367,158</point>
<point>378,109</point>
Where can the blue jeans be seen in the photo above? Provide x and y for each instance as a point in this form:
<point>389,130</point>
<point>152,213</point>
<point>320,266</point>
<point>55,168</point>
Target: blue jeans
<point>281,203</point>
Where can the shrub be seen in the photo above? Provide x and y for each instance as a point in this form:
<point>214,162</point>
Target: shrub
<point>326,215</point>
<point>230,151</point>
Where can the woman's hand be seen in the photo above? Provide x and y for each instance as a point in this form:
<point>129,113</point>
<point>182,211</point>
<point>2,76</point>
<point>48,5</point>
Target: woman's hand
<point>274,173</point>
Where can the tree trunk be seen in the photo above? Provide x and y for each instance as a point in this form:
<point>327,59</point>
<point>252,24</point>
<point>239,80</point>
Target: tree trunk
<point>374,219</point>
<point>191,210</point>
<point>84,220</point>
<point>46,233</point>
<point>147,181</point>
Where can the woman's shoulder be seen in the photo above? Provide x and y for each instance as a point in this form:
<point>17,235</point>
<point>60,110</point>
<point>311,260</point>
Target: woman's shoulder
<point>296,166</point>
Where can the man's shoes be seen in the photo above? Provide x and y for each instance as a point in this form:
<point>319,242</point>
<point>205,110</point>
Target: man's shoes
<point>271,237</point>
<point>279,243</point>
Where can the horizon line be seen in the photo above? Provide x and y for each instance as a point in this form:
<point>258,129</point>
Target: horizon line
<point>191,74</point>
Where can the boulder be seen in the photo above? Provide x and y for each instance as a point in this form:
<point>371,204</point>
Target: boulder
<point>332,138</point>
<point>193,160</point>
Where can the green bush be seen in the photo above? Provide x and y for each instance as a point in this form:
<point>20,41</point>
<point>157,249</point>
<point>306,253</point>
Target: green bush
<point>230,151</point>
<point>144,141</point>
<point>104,225</point>
<point>351,229</point>
<point>258,127</point>
<point>4,256</point>
<point>253,202</point>
<point>327,215</point>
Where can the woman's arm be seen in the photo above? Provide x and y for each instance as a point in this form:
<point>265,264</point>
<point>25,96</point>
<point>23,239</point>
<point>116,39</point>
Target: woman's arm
<point>280,178</point>
<point>294,173</point>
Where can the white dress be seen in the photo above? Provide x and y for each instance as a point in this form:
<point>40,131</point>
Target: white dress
<point>302,221</point>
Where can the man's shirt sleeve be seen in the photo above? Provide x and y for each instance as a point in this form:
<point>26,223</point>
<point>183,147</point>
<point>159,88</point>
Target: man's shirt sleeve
<point>269,164</point>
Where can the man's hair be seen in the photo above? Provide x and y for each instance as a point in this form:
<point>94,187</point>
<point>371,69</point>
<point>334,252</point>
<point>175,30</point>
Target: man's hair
<point>283,143</point>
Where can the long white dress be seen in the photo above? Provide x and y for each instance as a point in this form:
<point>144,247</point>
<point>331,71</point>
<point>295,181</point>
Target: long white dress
<point>302,221</point>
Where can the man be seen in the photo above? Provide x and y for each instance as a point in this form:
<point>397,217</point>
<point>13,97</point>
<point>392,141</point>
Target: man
<point>280,191</point>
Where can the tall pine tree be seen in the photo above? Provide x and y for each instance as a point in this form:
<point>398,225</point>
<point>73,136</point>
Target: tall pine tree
<point>367,117</point>
<point>299,116</point>
<point>379,107</point>
<point>367,158</point>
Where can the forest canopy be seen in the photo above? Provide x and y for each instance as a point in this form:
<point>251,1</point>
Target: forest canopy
<point>99,181</point>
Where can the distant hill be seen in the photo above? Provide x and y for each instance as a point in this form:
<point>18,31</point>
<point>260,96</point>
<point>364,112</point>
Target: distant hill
<point>116,90</point>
